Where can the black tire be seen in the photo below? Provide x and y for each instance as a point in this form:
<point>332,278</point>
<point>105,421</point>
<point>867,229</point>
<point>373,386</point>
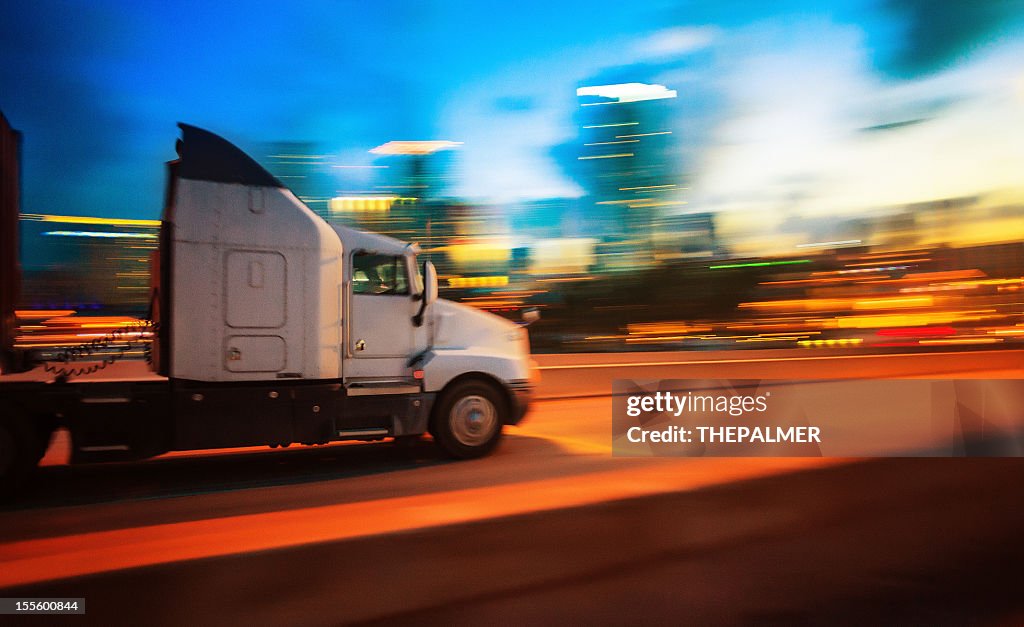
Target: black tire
<point>18,456</point>
<point>468,418</point>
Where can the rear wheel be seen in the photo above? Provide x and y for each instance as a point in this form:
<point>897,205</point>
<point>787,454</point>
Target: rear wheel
<point>468,419</point>
<point>18,456</point>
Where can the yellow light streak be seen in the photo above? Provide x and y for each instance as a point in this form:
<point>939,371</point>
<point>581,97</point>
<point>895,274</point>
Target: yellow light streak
<point>1014,330</point>
<point>37,217</point>
<point>879,321</point>
<point>852,341</point>
<point>649,328</point>
<point>478,281</point>
<point>894,303</point>
<point>361,204</point>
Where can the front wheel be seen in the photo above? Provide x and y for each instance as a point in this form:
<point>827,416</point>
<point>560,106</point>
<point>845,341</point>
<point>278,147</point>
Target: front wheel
<point>468,419</point>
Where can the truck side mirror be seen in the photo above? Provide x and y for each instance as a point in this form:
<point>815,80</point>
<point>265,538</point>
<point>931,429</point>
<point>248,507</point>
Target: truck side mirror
<point>429,282</point>
<point>429,292</point>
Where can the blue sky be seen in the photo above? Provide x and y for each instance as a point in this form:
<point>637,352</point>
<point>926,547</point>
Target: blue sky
<point>97,87</point>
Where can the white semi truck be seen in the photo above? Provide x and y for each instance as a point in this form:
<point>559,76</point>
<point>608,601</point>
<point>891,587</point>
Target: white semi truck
<point>273,327</point>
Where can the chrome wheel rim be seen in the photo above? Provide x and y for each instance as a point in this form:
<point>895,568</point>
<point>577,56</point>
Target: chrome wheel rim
<point>473,420</point>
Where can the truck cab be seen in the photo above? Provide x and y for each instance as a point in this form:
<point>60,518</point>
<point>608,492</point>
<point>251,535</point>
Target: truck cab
<point>398,335</point>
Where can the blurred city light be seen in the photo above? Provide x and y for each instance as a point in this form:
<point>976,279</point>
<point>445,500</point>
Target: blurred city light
<point>101,234</point>
<point>413,147</point>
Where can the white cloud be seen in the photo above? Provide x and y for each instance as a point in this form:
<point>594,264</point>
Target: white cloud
<point>674,42</point>
<point>794,142</point>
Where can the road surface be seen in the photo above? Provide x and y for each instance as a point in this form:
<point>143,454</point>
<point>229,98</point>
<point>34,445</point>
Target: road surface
<point>180,523</point>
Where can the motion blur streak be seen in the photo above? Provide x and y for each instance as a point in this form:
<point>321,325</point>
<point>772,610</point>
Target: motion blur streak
<point>68,556</point>
<point>664,165</point>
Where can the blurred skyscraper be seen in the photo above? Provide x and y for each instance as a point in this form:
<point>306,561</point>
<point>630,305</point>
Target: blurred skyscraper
<point>628,165</point>
<point>418,169</point>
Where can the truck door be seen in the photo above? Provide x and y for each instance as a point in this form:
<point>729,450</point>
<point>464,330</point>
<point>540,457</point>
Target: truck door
<point>381,338</point>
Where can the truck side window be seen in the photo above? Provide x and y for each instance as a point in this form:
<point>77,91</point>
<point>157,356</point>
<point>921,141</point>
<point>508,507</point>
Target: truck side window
<point>378,274</point>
